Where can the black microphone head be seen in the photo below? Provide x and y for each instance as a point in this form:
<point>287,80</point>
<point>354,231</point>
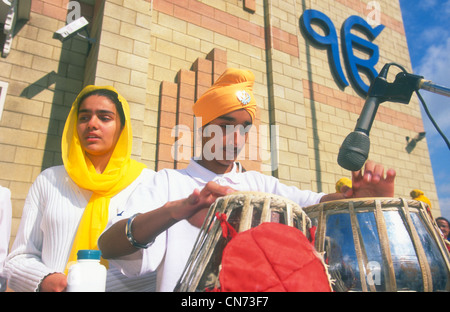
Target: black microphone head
<point>354,151</point>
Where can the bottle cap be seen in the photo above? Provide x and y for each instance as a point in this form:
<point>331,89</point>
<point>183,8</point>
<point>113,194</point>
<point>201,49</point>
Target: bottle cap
<point>89,254</point>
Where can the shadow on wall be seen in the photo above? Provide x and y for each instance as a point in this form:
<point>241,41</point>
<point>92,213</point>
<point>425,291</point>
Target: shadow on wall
<point>65,84</point>
<point>316,138</point>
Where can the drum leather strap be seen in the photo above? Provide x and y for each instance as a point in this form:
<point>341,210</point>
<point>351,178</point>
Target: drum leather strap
<point>421,255</point>
<point>434,230</point>
<point>320,243</point>
<point>391,283</point>
<point>359,249</point>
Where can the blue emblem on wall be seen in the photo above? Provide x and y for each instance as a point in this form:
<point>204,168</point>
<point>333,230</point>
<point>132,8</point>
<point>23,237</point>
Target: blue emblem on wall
<point>328,41</point>
<point>355,66</point>
<point>350,41</point>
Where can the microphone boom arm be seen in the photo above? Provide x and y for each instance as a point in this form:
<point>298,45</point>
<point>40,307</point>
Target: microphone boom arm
<point>432,87</point>
<point>355,148</point>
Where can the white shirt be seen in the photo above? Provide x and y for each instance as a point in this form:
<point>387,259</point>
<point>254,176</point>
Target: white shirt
<point>5,231</point>
<point>51,214</point>
<point>171,249</point>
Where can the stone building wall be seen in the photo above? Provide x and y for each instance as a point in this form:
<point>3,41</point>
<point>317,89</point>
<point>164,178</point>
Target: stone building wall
<point>162,54</point>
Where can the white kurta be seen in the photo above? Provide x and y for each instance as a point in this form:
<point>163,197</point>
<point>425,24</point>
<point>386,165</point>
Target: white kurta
<point>172,248</point>
<point>5,231</point>
<point>50,218</point>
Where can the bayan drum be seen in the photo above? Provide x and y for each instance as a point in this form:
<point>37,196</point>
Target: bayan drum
<point>242,211</point>
<point>380,244</point>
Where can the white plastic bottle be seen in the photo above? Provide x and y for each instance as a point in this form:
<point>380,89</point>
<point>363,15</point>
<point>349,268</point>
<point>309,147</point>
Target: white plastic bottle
<point>87,275</point>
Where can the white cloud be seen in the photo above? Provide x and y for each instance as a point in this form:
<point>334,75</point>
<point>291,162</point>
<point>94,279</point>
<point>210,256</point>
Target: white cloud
<point>445,188</point>
<point>429,40</point>
<point>444,204</point>
<point>434,61</point>
<point>431,34</point>
<point>435,66</point>
<point>446,8</point>
<point>437,6</point>
<point>425,4</point>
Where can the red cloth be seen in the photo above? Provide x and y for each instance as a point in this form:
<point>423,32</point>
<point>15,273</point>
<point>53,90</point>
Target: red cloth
<point>272,257</point>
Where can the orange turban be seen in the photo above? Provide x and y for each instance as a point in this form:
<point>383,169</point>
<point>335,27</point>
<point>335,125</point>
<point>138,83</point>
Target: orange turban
<point>232,91</point>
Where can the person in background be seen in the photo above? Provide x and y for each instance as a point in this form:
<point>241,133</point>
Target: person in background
<point>68,206</point>
<point>5,232</point>
<point>444,226</point>
<point>161,222</point>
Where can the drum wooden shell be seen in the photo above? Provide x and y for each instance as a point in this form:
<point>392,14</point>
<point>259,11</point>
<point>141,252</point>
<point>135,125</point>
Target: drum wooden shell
<point>381,244</point>
<point>244,210</point>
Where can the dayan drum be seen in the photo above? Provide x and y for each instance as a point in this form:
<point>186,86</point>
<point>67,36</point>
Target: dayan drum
<point>380,244</point>
<point>242,210</point>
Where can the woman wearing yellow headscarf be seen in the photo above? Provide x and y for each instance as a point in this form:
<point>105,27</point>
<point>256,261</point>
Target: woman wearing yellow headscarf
<point>69,206</point>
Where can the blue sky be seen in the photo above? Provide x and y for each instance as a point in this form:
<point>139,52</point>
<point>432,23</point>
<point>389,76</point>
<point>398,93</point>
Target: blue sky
<point>427,27</point>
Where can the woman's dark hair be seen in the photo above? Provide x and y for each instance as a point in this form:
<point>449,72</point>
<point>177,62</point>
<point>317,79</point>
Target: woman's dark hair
<point>113,96</point>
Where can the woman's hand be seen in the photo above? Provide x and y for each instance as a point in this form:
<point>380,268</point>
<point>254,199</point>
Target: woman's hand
<point>55,282</point>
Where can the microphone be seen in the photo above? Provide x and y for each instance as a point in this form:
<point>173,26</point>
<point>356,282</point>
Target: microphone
<point>354,150</point>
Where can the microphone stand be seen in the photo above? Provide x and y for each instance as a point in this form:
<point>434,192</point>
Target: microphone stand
<point>432,87</point>
<point>409,83</point>
<point>400,90</point>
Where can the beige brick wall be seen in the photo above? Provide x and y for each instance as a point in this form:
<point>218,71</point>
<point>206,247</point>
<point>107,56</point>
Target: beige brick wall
<point>311,128</point>
<point>44,76</point>
<point>181,35</point>
<point>123,53</point>
<point>394,121</point>
<point>142,43</point>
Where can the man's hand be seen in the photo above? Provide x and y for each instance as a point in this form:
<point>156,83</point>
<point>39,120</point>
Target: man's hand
<point>372,182</point>
<point>195,207</point>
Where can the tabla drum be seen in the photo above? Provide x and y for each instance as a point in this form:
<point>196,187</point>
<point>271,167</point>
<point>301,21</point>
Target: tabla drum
<point>380,244</point>
<point>242,210</point>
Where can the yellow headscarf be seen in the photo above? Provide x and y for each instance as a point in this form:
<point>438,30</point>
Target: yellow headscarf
<point>233,90</point>
<point>120,172</point>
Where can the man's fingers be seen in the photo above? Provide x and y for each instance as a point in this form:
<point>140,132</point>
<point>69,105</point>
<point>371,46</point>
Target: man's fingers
<point>194,197</point>
<point>212,188</point>
<point>378,174</point>
<point>390,175</point>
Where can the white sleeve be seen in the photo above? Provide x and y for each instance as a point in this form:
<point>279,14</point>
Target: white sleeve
<point>149,195</point>
<point>303,198</point>
<point>144,260</point>
<point>24,266</point>
<point>5,231</point>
